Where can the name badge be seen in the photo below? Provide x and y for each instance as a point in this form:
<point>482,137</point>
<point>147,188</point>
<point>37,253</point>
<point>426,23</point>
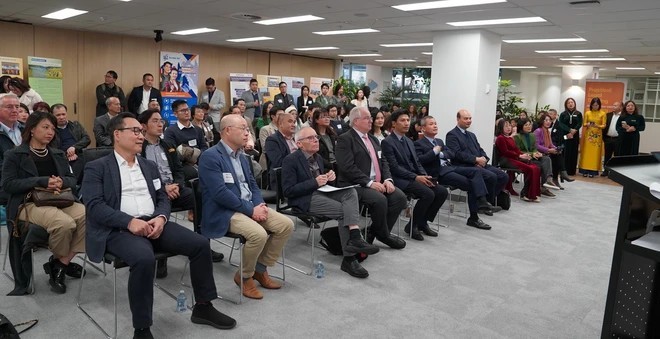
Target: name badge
<point>338,126</point>
<point>279,100</point>
<point>162,155</point>
<point>229,179</point>
<point>156,184</point>
<point>192,143</point>
<point>379,153</point>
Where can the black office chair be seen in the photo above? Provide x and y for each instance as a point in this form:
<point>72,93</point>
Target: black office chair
<point>90,154</point>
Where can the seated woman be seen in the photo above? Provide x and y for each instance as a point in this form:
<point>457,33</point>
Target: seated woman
<point>35,163</point>
<point>526,143</point>
<point>199,121</point>
<point>545,145</point>
<point>510,156</point>
<point>377,128</point>
<point>327,137</point>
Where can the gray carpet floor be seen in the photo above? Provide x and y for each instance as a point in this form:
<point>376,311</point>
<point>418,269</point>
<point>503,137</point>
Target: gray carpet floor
<point>541,272</point>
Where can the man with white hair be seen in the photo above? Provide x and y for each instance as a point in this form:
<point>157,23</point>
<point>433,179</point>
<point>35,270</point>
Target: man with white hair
<point>10,130</point>
<point>101,122</point>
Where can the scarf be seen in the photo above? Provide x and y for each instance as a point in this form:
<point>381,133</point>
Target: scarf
<point>546,138</point>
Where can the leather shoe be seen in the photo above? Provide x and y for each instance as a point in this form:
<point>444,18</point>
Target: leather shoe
<point>415,233</point>
<point>249,287</point>
<point>393,242</point>
<point>370,237</point>
<point>216,256</point>
<point>73,270</point>
<point>57,275</point>
<point>142,333</point>
<point>487,211</point>
<point>428,231</point>
<point>357,245</point>
<point>161,269</point>
<point>354,268</point>
<point>265,280</point>
<point>478,223</point>
<point>207,314</point>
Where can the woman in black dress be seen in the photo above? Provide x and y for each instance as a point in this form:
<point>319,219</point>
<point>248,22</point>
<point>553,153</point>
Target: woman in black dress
<point>628,127</point>
<point>569,124</point>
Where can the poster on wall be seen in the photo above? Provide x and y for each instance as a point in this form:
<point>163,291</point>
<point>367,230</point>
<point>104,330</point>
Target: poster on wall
<point>269,86</point>
<point>238,83</point>
<point>178,80</point>
<point>315,85</point>
<point>609,92</point>
<point>294,86</point>
<point>45,77</point>
<point>12,67</point>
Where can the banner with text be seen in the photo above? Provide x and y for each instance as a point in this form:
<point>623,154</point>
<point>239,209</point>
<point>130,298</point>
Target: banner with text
<point>315,86</point>
<point>238,83</point>
<point>45,77</point>
<point>294,86</point>
<point>609,92</point>
<point>12,67</point>
<point>269,86</point>
<point>178,80</point>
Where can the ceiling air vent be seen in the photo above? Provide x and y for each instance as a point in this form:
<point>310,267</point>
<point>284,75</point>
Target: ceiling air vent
<point>245,16</point>
<point>585,3</point>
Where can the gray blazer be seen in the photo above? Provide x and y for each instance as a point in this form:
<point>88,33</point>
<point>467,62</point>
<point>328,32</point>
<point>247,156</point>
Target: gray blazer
<point>101,131</point>
<point>249,103</point>
<point>217,103</point>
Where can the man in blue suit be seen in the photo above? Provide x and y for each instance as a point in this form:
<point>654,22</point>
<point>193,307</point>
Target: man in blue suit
<point>409,175</point>
<point>436,159</point>
<point>468,153</point>
<point>127,212</point>
<point>232,202</point>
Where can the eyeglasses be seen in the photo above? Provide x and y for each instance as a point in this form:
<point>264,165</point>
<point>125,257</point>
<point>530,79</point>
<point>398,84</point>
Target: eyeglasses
<point>311,138</point>
<point>184,110</point>
<point>136,130</point>
<point>245,129</point>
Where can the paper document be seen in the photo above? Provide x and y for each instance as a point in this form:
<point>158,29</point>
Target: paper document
<point>330,188</point>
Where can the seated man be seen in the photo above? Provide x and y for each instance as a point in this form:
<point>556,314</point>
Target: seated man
<point>71,137</point>
<point>302,174</point>
<point>103,138</point>
<point>185,133</point>
<point>436,159</point>
<point>127,211</point>
<point>360,163</point>
<point>468,153</point>
<point>410,176</point>
<point>280,144</point>
<point>233,203</point>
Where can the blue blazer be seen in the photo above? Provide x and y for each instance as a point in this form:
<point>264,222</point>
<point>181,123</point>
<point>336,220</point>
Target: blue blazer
<point>275,149</point>
<point>430,160</point>
<point>464,153</point>
<point>222,199</point>
<point>403,169</point>
<point>101,193</point>
<point>298,184</point>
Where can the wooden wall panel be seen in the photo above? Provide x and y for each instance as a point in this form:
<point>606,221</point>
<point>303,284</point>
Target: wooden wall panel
<point>17,41</point>
<point>280,64</point>
<point>138,56</point>
<point>257,62</point>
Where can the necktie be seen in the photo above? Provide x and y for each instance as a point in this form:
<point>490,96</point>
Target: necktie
<point>374,158</point>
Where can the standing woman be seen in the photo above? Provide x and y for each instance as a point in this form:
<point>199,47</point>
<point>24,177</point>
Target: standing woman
<point>569,124</point>
<point>378,126</point>
<point>327,137</point>
<point>339,95</point>
<point>33,164</point>
<point>303,100</point>
<point>26,95</point>
<point>591,155</point>
<point>360,100</point>
<point>628,127</point>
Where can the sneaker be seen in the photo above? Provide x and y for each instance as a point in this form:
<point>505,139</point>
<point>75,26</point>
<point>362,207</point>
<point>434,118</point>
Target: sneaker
<point>546,192</point>
<point>206,314</point>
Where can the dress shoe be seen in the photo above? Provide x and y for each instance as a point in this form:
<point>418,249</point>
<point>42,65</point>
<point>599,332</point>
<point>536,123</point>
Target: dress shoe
<point>57,275</point>
<point>357,245</point>
<point>428,231</point>
<point>489,206</point>
<point>415,233</point>
<point>142,333</point>
<point>354,268</point>
<point>478,223</point>
<point>393,242</point>
<point>73,270</point>
<point>265,280</point>
<point>564,177</point>
<point>485,210</point>
<point>546,192</point>
<point>206,314</point>
<point>249,287</point>
<point>216,256</point>
<point>161,269</point>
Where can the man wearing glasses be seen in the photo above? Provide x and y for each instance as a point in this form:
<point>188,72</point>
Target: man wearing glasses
<point>302,174</point>
<point>10,131</point>
<point>185,133</point>
<point>233,203</point>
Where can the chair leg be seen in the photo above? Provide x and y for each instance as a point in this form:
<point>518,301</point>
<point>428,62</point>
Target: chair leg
<point>114,296</point>
<point>32,287</point>
<point>240,270</point>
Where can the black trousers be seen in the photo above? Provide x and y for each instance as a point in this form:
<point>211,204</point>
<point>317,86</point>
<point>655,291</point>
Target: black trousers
<point>611,147</point>
<point>571,154</point>
<point>185,201</point>
<point>467,179</point>
<point>384,209</point>
<point>430,201</point>
<point>138,253</point>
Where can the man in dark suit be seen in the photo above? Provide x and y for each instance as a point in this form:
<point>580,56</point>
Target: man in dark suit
<point>233,203</point>
<point>279,145</point>
<point>138,100</point>
<point>410,176</point>
<point>610,135</point>
<point>360,162</point>
<point>127,211</point>
<point>468,153</point>
<point>436,159</point>
<point>302,174</point>
<point>336,122</point>
<point>282,99</point>
<point>103,138</point>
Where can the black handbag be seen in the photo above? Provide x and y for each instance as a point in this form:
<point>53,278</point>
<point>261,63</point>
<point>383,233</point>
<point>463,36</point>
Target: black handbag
<point>47,197</point>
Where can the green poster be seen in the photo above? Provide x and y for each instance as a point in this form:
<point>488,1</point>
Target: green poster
<point>45,77</point>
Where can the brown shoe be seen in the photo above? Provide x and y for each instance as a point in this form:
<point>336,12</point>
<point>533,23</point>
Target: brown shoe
<point>265,280</point>
<point>249,287</point>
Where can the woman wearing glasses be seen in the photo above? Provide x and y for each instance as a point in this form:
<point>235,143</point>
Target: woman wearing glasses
<point>327,137</point>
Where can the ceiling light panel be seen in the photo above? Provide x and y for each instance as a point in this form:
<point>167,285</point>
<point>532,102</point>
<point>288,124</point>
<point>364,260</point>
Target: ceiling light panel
<point>315,48</point>
<point>288,20</point>
<point>256,38</point>
<point>444,4</point>
<point>348,31</point>
<point>550,51</point>
<point>64,14</point>
<point>534,41</point>
<point>195,31</point>
<point>491,22</point>
<point>414,44</point>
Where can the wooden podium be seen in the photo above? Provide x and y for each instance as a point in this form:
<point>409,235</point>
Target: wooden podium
<point>632,309</point>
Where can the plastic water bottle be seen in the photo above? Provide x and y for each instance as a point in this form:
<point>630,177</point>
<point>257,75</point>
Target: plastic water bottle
<point>181,302</point>
<point>319,270</point>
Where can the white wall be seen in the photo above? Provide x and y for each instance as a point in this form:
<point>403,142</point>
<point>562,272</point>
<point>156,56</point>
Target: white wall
<point>375,74</point>
<point>549,91</point>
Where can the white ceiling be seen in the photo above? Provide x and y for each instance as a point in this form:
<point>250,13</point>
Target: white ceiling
<point>628,28</point>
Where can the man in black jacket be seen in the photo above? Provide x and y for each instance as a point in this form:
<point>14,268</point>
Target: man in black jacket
<point>106,90</point>
<point>138,100</point>
<point>71,137</point>
<point>282,99</point>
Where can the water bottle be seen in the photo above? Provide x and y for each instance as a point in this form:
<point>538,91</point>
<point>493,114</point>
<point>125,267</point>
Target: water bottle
<point>319,270</point>
<point>181,302</point>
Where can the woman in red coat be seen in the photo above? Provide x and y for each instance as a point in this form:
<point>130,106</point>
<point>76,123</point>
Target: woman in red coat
<point>510,156</point>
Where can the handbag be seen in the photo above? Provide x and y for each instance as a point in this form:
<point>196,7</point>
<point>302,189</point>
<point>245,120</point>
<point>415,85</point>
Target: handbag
<point>48,197</point>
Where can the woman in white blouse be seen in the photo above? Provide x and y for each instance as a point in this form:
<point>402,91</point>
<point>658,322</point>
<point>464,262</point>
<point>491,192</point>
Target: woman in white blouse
<point>360,100</point>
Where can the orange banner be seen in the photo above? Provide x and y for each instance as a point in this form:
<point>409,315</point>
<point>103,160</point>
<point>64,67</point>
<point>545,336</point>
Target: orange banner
<point>609,92</point>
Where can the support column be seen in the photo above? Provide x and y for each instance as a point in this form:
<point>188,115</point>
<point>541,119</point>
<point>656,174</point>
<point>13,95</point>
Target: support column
<point>465,71</point>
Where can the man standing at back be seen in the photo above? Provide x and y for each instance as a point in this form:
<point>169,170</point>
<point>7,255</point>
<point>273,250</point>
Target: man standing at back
<point>610,135</point>
<point>108,89</point>
<point>253,100</point>
<point>140,97</point>
<point>282,99</point>
<point>215,98</point>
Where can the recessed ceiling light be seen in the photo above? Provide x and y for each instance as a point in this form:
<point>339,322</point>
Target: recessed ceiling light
<point>444,4</point>
<point>524,20</point>
<point>315,48</point>
<point>396,60</point>
<point>427,53</point>
<point>256,38</point>
<point>520,67</point>
<point>532,41</point>
<point>414,44</point>
<point>125,0</point>
<point>424,67</point>
<point>348,31</point>
<point>64,14</point>
<point>656,72</point>
<point>592,59</point>
<point>288,20</point>
<point>502,60</point>
<point>195,31</point>
<point>631,68</point>
<point>549,51</point>
<point>359,55</point>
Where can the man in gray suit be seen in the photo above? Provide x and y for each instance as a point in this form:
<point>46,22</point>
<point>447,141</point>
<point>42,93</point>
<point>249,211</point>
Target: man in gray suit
<point>253,100</point>
<point>216,100</point>
<point>101,122</point>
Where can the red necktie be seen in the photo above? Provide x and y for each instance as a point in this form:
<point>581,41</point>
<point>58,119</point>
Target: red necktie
<point>374,158</point>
